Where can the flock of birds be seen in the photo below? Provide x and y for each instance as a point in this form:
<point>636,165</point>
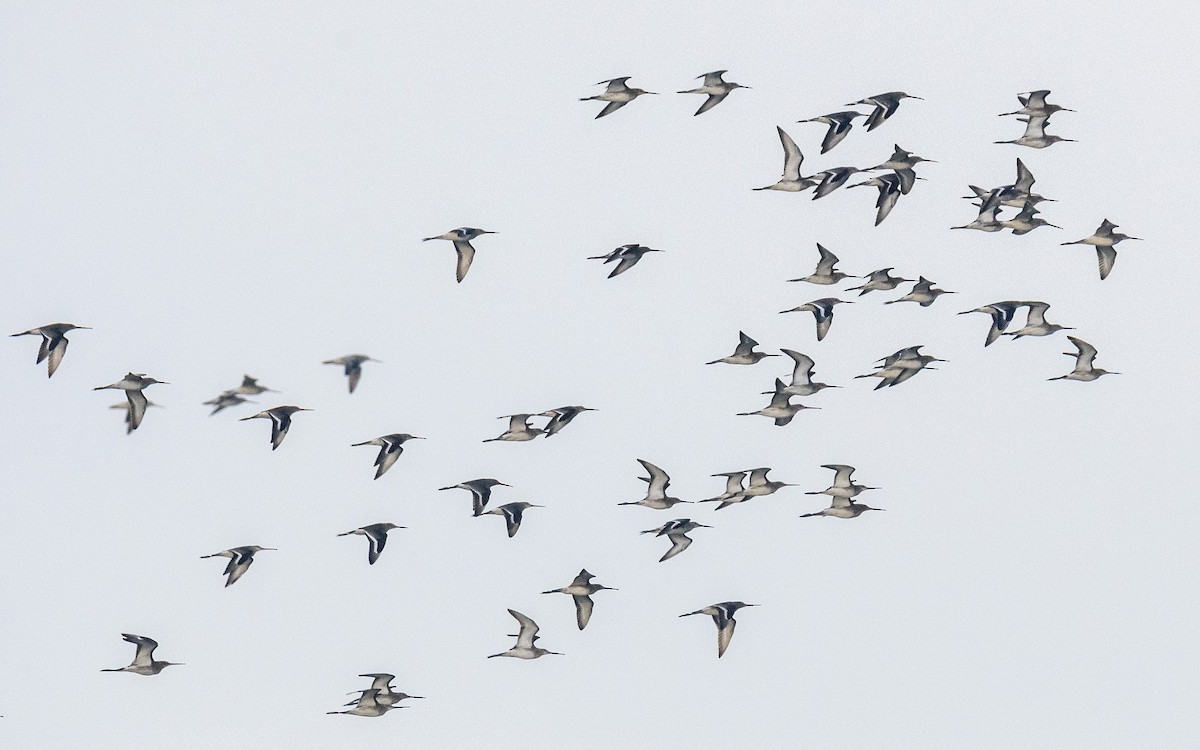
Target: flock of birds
<point>898,178</point>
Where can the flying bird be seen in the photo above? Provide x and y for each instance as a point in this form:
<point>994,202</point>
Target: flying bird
<point>802,376</point>
<point>791,181</point>
<point>885,106</point>
<point>381,683</point>
<point>840,124</point>
<point>1035,135</point>
<point>368,704</point>
<point>722,614</point>
<point>900,366</point>
<point>281,420</point>
<point>461,239</point>
<point>54,343</point>
<point>376,534</point>
<point>617,93</point>
<point>841,507</point>
<point>676,532</point>
<point>581,590</point>
<point>656,494</point>
<point>824,274</point>
<point>627,255</point>
<point>715,87</point>
<point>734,486</point>
<point>481,491</point>
<point>822,310</point>
<point>390,448</point>
<point>250,387</point>
<point>781,408</point>
<point>526,636</point>
<point>744,353</point>
<point>1033,104</point>
<point>144,662</point>
<point>832,179</point>
<point>352,364</point>
<point>881,281</point>
<point>133,383</point>
<point>1026,220</point>
<point>843,485</point>
<point>890,188</point>
<point>512,513</point>
<point>239,561</point>
<point>518,429</point>
<point>1001,314</point>
<point>1035,322</point>
<point>923,293</point>
<point>226,400</point>
<point>1085,355</point>
<point>561,417</point>
<point>1104,239</point>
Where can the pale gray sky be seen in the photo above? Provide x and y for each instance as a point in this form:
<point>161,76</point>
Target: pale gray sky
<point>228,188</point>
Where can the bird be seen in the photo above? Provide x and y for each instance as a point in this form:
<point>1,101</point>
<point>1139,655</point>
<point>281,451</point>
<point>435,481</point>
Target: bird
<point>512,512</point>
<point>758,485</point>
<point>1001,313</point>
<point>124,406</point>
<point>986,221</point>
<point>722,614</point>
<point>1035,322</point>
<point>841,507</point>
<point>822,310</point>
<point>791,181</point>
<point>744,354</point>
<point>480,489</point>
<point>368,704</point>
<point>1104,239</point>
<point>781,408</point>
<point>881,280</point>
<point>281,420</point>
<point>1035,135</point>
<point>802,374</point>
<point>923,293</point>
<point>885,105</point>
<point>581,590</point>
<point>133,383</point>
<point>840,124</point>
<point>376,534</point>
<point>526,636</point>
<point>381,682</point>
<point>676,531</point>
<point>250,387</point>
<point>628,255</point>
<point>1015,195</point>
<point>390,448</point>
<point>239,561</point>
<point>353,367</point>
<point>900,160</point>
<point>900,366</point>
<point>715,87</point>
<point>1026,220</point>
<point>824,274</point>
<point>54,343</point>
<point>1085,355</point>
<point>734,486</point>
<point>1034,103</point>
<point>144,662</point>
<point>518,429</point>
<point>832,179</point>
<point>890,188</point>
<point>461,239</point>
<point>617,93</point>
<point>656,494</point>
<point>226,400</point>
<point>561,417</point>
<point>843,485</point>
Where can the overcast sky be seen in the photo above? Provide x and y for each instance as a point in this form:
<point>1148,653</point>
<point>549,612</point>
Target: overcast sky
<point>219,189</point>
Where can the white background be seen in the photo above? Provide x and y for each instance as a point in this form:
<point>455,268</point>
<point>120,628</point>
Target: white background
<point>228,188</point>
